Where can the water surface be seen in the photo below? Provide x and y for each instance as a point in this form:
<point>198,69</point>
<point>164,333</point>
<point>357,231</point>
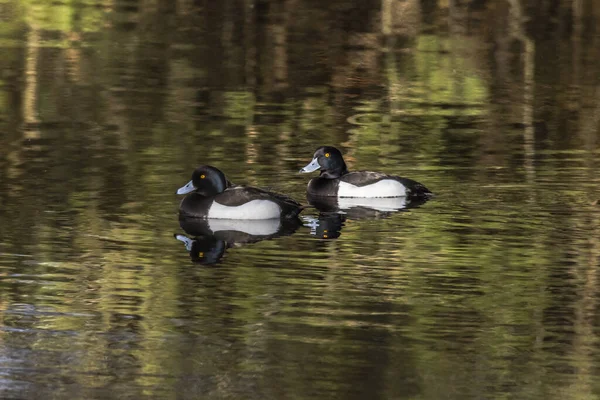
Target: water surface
<point>490,290</point>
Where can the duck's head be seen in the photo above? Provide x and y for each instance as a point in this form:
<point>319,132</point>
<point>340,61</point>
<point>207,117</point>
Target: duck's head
<point>329,160</point>
<point>207,181</point>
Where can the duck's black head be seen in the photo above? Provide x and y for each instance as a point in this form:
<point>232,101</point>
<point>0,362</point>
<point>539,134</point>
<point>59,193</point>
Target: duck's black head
<point>329,160</point>
<point>207,181</point>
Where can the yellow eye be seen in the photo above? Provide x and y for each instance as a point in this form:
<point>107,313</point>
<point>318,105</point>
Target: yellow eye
<point>327,155</point>
<point>202,176</point>
<point>200,255</point>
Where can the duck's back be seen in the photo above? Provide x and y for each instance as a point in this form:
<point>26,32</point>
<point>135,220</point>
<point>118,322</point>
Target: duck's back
<point>364,178</point>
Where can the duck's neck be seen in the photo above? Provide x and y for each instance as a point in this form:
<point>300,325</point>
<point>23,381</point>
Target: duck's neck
<point>334,173</point>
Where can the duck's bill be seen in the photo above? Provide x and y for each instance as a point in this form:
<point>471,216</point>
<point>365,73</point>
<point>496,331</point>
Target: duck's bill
<point>189,187</point>
<point>313,166</point>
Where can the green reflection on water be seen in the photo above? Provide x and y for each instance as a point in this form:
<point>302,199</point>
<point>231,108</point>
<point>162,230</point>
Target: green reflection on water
<point>489,290</point>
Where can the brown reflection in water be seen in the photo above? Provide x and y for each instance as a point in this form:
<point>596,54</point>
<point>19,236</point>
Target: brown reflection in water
<point>106,107</point>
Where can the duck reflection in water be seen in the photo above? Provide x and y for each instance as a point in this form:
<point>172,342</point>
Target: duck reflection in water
<point>210,238</point>
<point>333,211</point>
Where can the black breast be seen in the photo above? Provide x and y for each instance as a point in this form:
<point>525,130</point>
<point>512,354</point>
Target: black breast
<point>195,205</point>
<point>323,187</point>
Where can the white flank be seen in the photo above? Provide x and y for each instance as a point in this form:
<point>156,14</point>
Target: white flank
<point>255,209</point>
<point>251,227</point>
<point>383,188</point>
<point>379,204</point>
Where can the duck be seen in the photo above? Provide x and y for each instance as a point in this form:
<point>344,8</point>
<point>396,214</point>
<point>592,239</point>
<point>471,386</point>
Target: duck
<point>211,196</point>
<point>336,181</point>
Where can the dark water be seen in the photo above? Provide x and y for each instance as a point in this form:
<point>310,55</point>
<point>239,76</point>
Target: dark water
<point>490,290</point>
